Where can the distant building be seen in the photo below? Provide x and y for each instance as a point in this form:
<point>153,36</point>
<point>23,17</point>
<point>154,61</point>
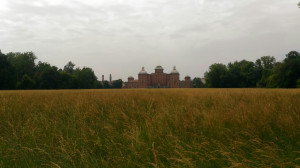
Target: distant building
<point>158,79</point>
<point>110,79</point>
<point>187,83</point>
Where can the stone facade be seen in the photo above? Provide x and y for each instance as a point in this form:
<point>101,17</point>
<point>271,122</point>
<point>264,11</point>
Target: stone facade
<point>158,79</point>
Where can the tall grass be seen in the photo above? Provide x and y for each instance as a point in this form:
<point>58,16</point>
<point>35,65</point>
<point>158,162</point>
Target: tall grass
<point>150,128</point>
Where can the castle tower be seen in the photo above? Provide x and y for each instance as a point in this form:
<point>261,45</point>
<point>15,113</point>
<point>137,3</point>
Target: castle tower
<point>130,79</point>
<point>187,78</point>
<point>188,82</point>
<point>143,79</point>
<point>159,78</point>
<point>159,69</point>
<point>173,78</point>
<point>110,78</point>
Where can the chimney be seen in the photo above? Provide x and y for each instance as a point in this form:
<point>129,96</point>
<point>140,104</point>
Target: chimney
<point>102,78</point>
<point>110,78</point>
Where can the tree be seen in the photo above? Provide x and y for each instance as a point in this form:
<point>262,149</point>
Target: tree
<point>69,67</point>
<point>26,83</point>
<point>216,76</point>
<point>68,81</point>
<point>86,78</point>
<point>286,74</point>
<point>7,73</point>
<point>264,67</point>
<point>99,85</point>
<point>19,70</point>
<point>47,76</point>
<point>268,62</point>
<point>23,63</point>
<point>292,55</point>
<point>239,74</point>
<point>117,84</point>
<point>242,74</point>
<point>197,83</point>
<point>106,85</point>
<point>299,4</point>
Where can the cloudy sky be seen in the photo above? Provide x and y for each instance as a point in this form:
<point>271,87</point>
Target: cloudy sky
<point>121,36</point>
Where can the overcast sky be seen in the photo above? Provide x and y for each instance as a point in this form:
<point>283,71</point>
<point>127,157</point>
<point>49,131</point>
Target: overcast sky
<point>121,36</point>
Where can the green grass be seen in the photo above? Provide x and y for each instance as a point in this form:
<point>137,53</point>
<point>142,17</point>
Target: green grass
<point>150,128</point>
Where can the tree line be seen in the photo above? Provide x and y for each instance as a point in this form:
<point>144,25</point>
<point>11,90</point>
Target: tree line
<point>19,71</point>
<point>265,72</point>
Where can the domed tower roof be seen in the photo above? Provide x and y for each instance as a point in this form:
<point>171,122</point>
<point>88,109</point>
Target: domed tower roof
<point>131,77</point>
<point>159,67</point>
<point>187,78</point>
<point>143,71</point>
<point>174,71</point>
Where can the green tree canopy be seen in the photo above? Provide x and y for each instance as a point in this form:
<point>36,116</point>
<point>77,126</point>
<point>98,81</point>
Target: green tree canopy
<point>242,74</point>
<point>7,73</point>
<point>268,62</point>
<point>23,63</point>
<point>99,85</point>
<point>265,66</point>
<point>86,78</point>
<point>68,81</point>
<point>286,74</point>
<point>26,83</point>
<point>197,83</point>
<point>117,84</point>
<point>19,69</point>
<point>69,67</point>
<point>216,76</point>
<point>106,85</point>
<point>47,76</point>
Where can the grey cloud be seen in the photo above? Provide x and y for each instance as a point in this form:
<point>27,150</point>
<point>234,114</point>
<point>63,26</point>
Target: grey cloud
<point>120,36</point>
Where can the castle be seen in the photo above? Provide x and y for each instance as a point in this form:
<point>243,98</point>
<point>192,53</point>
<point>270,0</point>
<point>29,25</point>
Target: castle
<point>158,79</point>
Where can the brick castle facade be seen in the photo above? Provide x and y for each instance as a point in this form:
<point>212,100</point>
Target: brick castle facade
<point>158,79</point>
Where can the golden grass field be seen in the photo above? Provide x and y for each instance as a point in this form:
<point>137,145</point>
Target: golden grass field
<point>150,128</point>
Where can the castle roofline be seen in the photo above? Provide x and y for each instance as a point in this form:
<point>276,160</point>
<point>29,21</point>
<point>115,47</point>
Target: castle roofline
<point>159,67</point>
<point>174,71</point>
<point>143,71</point>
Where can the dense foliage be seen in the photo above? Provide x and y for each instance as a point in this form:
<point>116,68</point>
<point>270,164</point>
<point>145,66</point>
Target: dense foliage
<point>19,71</point>
<point>197,83</point>
<point>264,72</point>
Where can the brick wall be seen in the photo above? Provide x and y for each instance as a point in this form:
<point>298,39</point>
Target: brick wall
<point>158,80</point>
<point>144,81</point>
<point>173,80</point>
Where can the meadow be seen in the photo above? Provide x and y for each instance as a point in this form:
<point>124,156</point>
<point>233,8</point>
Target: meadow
<point>150,128</point>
